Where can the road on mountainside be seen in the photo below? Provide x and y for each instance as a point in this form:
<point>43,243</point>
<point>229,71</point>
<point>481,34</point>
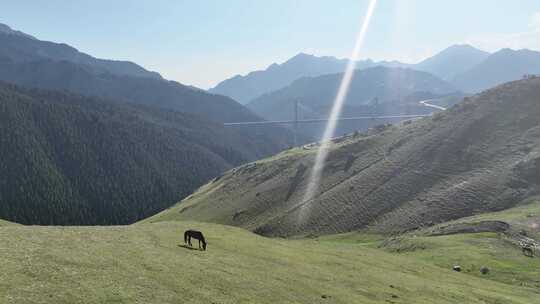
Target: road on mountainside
<point>427,104</point>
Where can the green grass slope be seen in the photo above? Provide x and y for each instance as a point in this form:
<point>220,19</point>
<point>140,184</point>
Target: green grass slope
<point>496,250</point>
<point>4,223</point>
<point>479,156</point>
<point>146,263</point>
<point>524,219</point>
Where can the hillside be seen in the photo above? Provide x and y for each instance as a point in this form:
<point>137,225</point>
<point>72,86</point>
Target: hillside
<point>6,223</point>
<point>70,159</point>
<point>18,47</point>
<point>491,239</point>
<point>480,155</point>
<point>502,66</point>
<point>147,263</point>
<point>374,91</point>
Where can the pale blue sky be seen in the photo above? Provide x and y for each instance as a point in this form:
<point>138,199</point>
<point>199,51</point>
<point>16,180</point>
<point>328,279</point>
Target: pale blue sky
<point>203,42</point>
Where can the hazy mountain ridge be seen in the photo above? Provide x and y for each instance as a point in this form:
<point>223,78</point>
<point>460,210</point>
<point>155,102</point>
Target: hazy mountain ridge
<point>481,155</point>
<point>4,29</point>
<point>385,84</point>
<point>502,66</point>
<point>468,68</point>
<point>276,76</point>
<point>445,65</point>
<point>150,92</point>
<point>64,75</point>
<point>373,91</point>
<point>47,65</point>
<point>452,61</point>
<point>20,47</point>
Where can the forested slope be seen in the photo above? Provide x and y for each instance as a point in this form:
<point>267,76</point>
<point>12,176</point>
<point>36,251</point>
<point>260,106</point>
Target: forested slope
<point>70,159</point>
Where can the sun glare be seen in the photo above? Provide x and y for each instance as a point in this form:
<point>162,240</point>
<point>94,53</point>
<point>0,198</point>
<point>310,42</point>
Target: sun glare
<point>322,153</point>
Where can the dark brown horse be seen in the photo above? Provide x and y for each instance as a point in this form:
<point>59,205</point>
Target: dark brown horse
<point>196,235</point>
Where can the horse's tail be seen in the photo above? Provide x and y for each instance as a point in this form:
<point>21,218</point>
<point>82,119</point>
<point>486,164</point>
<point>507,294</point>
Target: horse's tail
<point>185,237</point>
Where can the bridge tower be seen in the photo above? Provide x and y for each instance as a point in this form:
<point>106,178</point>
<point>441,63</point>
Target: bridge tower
<point>295,131</point>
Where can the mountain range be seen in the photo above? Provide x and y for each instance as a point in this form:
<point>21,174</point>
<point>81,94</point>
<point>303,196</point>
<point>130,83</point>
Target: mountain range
<point>373,91</point>
<point>467,68</point>
<point>71,113</point>
<point>276,76</point>
<point>480,155</point>
<point>381,83</point>
<point>502,66</point>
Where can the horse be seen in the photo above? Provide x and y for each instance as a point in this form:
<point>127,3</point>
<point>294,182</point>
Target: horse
<point>528,251</point>
<point>196,235</point>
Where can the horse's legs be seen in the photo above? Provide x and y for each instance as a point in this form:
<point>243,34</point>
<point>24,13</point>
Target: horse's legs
<point>199,244</point>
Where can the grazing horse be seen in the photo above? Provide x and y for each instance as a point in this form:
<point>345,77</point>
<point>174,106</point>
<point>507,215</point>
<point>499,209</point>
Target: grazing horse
<point>528,251</point>
<point>196,235</point>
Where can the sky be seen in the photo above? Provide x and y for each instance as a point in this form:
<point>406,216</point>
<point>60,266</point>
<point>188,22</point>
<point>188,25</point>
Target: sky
<point>202,42</point>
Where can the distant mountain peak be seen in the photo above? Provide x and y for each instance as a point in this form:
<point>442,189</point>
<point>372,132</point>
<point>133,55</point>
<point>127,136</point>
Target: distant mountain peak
<point>512,51</point>
<point>273,66</point>
<point>463,48</point>
<point>5,29</point>
<point>303,55</point>
<point>300,57</point>
<point>452,61</point>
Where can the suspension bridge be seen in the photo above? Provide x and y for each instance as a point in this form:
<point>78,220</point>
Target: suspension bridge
<point>296,121</point>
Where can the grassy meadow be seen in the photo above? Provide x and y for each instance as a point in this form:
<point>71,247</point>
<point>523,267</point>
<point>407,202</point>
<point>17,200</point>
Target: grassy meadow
<point>148,263</point>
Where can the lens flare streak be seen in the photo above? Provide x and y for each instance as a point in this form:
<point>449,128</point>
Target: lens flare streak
<point>322,153</point>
